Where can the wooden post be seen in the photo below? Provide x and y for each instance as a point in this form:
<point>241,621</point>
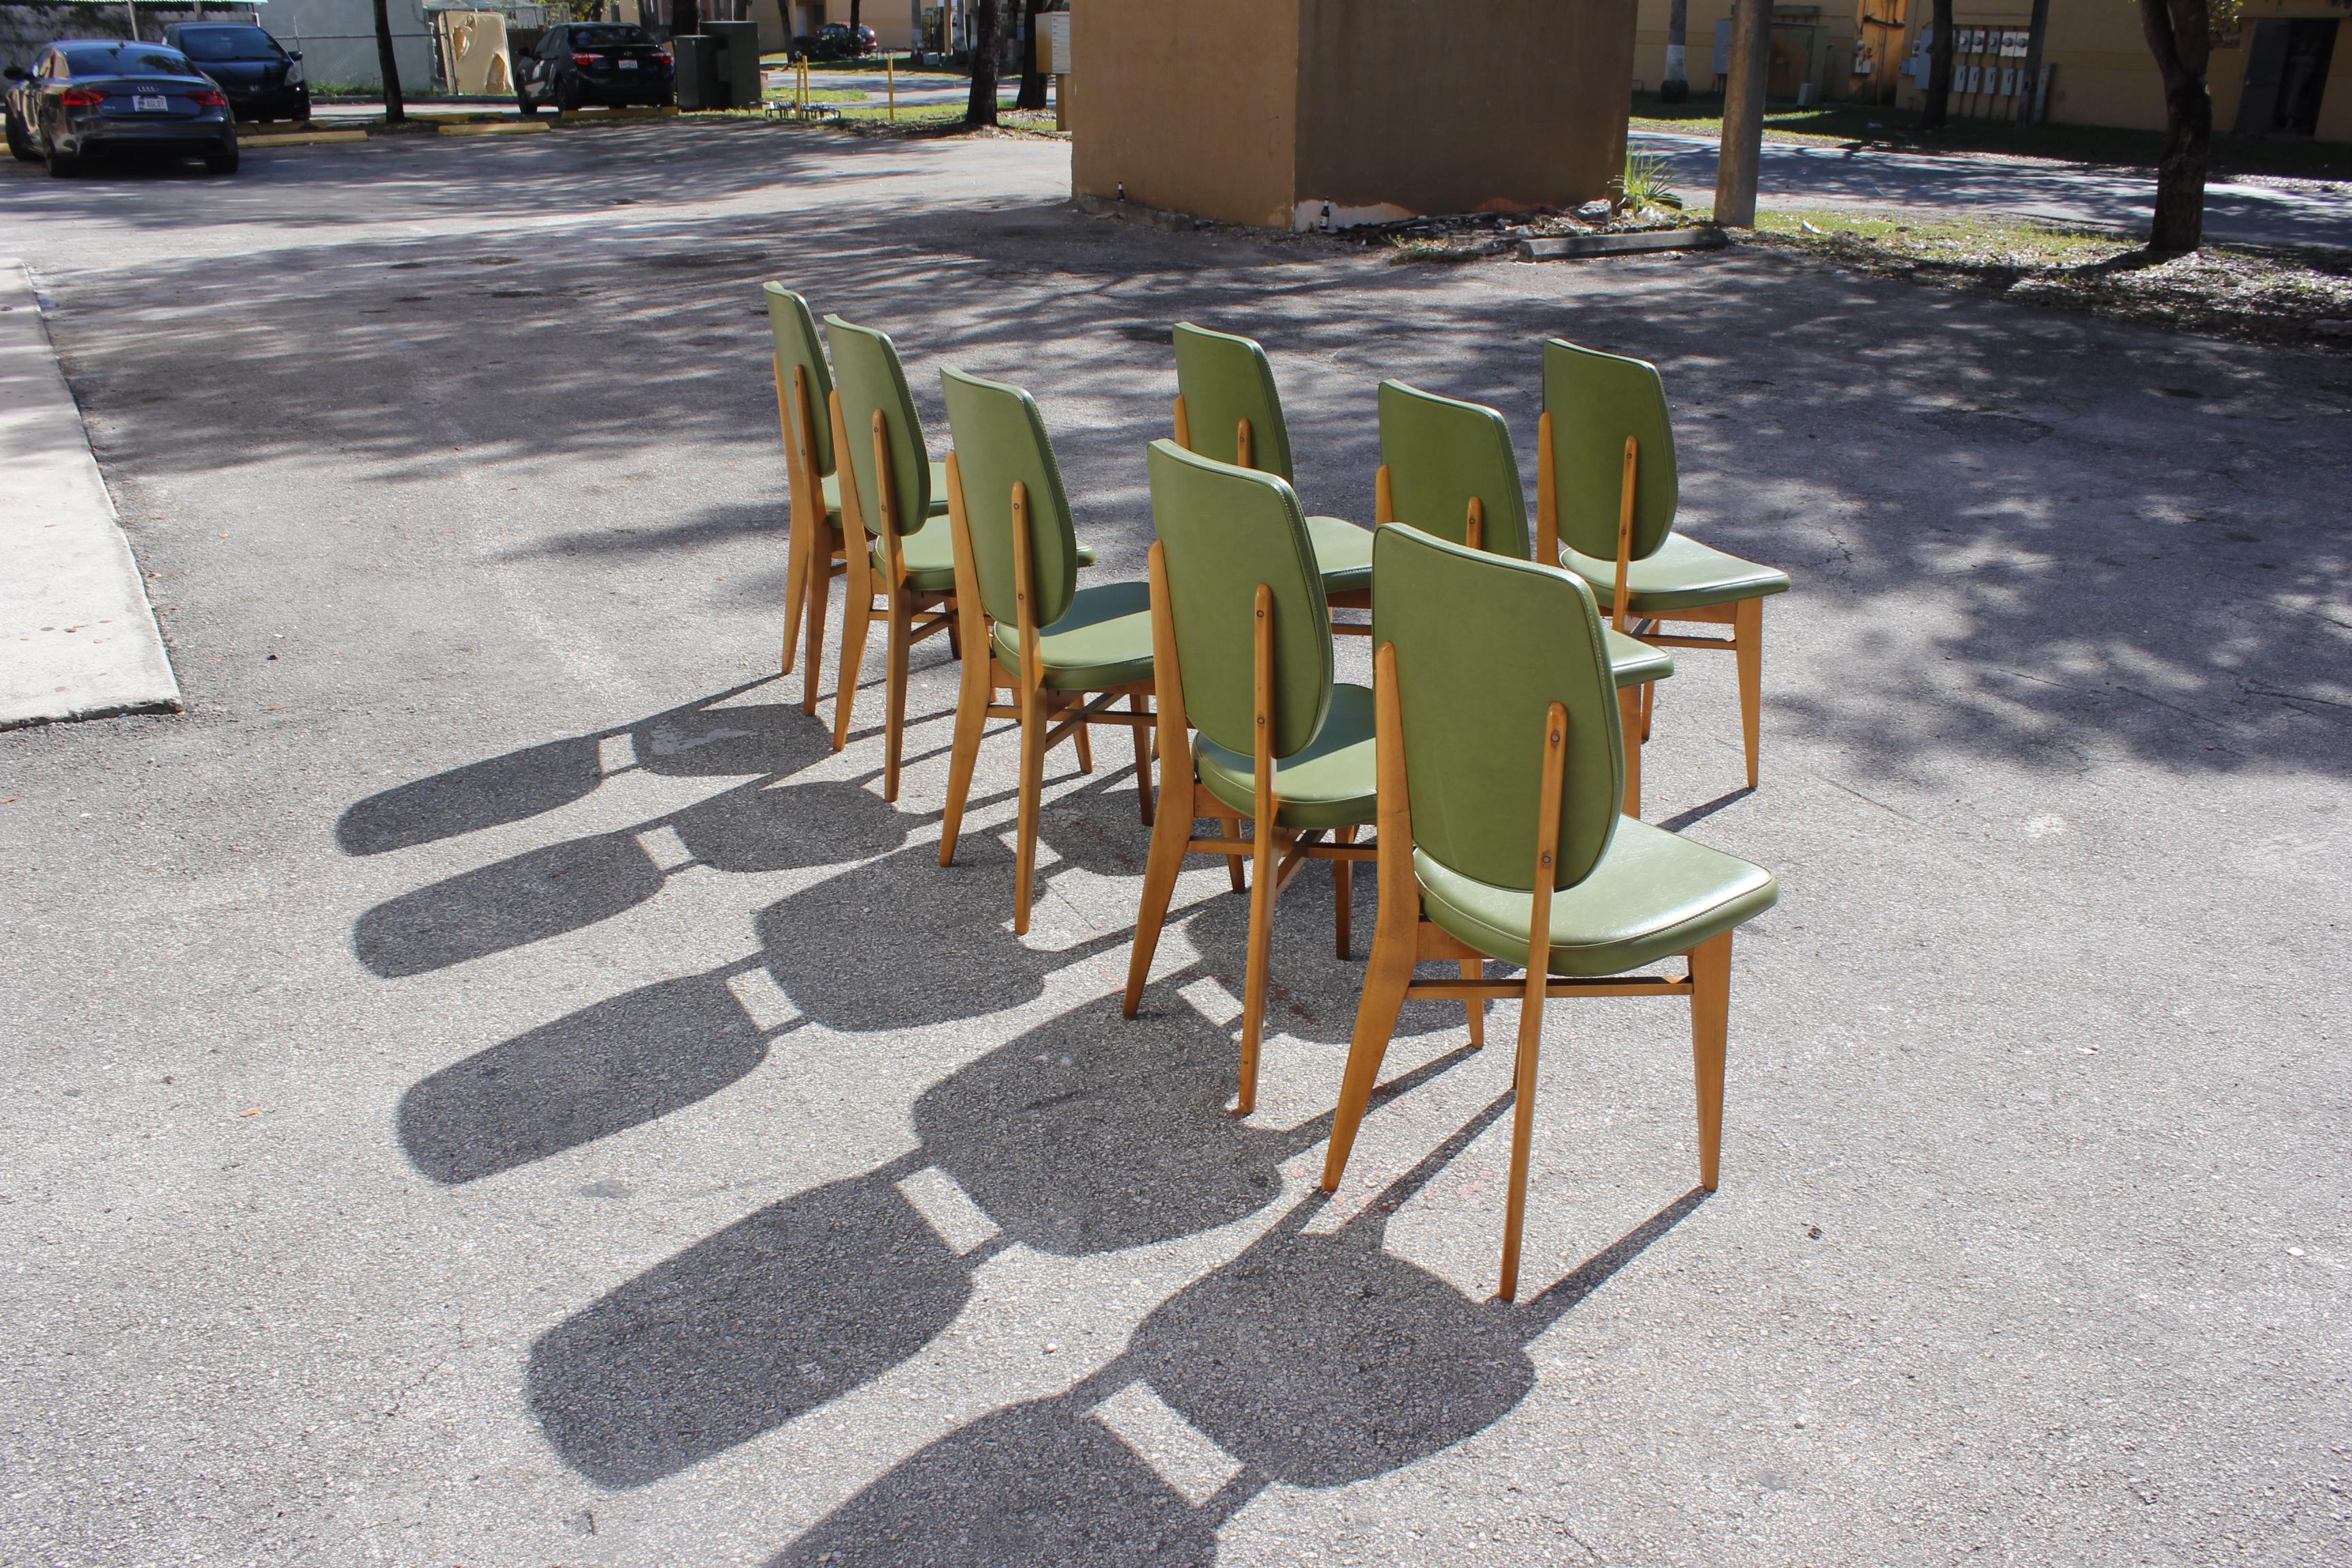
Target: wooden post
<point>890,63</point>
<point>1743,114</point>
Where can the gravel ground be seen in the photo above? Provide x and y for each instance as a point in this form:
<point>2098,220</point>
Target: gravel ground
<point>491,1086</point>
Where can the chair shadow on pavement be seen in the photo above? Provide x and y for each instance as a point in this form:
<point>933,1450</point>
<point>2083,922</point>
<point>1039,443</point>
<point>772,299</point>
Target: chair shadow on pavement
<point>1086,1135</point>
<point>698,738</point>
<point>1311,1360</point>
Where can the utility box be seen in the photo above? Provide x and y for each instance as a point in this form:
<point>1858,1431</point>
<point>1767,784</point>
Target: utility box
<point>1275,113</point>
<point>699,87</point>
<point>739,61</point>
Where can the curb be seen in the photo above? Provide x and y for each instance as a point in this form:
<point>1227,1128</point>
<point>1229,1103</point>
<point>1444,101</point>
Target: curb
<point>1569,247</point>
<point>303,138</point>
<point>495,128</point>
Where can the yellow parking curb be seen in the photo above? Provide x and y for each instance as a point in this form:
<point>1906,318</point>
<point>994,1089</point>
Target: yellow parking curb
<point>494,128</point>
<point>302,139</point>
<point>613,116</point>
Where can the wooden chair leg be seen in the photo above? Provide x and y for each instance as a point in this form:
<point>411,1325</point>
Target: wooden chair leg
<point>972,718</point>
<point>820,599</point>
<point>798,563</point>
<point>1343,895</point>
<point>1629,720</point>
<point>1649,709</point>
<point>1385,980</point>
<point>1473,969</point>
<point>1710,965</point>
<point>1263,885</point>
<point>894,702</point>
<point>1143,766</point>
<point>1748,648</point>
<point>1230,827</point>
<point>1033,784</point>
<point>1170,836</point>
<point>1083,741</point>
<point>1523,1128</point>
<point>856,621</point>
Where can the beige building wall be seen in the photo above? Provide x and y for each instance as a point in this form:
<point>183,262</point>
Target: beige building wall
<point>1268,111</point>
<point>1191,107</point>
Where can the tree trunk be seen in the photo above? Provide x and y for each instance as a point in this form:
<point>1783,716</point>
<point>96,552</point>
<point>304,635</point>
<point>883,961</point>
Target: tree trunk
<point>1675,86</point>
<point>2180,37</point>
<point>987,33</point>
<point>1032,70</point>
<point>685,18</point>
<point>1936,113</point>
<point>395,110</point>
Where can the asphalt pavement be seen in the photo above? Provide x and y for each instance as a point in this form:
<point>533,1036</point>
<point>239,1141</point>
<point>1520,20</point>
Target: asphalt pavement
<point>488,1085</point>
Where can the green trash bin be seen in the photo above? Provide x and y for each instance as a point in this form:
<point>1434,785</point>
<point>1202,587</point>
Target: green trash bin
<point>699,85</point>
<point>738,69</point>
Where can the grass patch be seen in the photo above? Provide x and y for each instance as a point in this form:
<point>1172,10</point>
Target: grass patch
<point>873,119</point>
<point>820,95</point>
<point>2262,293</point>
<point>1847,123</point>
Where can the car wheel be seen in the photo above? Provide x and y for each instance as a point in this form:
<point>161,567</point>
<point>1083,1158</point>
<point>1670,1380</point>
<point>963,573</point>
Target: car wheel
<point>223,161</point>
<point>567,96</point>
<point>524,102</point>
<point>20,147</point>
<point>63,166</point>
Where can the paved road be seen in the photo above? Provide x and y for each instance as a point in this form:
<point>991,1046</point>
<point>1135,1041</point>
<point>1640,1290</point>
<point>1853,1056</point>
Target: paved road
<point>488,1086</point>
<point>2264,210</point>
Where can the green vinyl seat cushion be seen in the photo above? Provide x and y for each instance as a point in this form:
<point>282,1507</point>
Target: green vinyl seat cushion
<point>1334,782</point>
<point>929,552</point>
<point>1683,575</point>
<point>1103,641</point>
<point>1632,662</point>
<point>1343,554</point>
<point>1652,895</point>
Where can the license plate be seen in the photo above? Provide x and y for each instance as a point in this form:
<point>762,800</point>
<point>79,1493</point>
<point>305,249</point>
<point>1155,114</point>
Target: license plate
<point>628,65</point>
<point>149,103</point>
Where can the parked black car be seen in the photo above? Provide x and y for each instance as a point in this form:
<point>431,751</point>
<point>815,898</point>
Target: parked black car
<point>595,62</point>
<point>263,80</point>
<point>834,42</point>
<point>87,97</point>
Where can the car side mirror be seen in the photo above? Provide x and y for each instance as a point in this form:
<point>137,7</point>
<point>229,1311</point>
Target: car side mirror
<point>293,54</point>
<point>16,73</point>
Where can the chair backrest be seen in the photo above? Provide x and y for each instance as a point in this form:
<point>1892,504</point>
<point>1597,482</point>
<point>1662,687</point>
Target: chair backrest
<point>1484,645</point>
<point>1225,530</point>
<point>868,376</point>
<point>1595,401</point>
<point>1000,439</point>
<point>1225,380</point>
<point>793,327</point>
<point>1439,454</point>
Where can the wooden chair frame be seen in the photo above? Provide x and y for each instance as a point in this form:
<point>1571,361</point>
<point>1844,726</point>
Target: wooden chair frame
<point>1403,939</point>
<point>1278,854</point>
<point>912,613</point>
<point>1744,616</point>
<point>1047,717</point>
<point>814,537</point>
<point>1246,457</point>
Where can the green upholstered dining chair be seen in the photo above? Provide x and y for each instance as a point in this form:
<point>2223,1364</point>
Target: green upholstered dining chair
<point>1242,653</point>
<point>1226,408</point>
<point>1067,654</point>
<point>1450,469</point>
<point>1606,488</point>
<point>1499,834</point>
<point>803,407</point>
<point>893,505</point>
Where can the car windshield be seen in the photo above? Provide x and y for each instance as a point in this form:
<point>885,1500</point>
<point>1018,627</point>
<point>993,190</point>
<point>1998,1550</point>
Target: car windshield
<point>606,37</point>
<point>228,44</point>
<point>125,59</point>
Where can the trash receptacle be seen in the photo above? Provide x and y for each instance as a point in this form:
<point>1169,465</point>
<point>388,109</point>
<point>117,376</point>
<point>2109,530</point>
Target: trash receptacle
<point>739,61</point>
<point>699,87</point>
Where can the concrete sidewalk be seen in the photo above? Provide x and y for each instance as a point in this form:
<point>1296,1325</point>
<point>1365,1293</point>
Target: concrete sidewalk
<point>77,637</point>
